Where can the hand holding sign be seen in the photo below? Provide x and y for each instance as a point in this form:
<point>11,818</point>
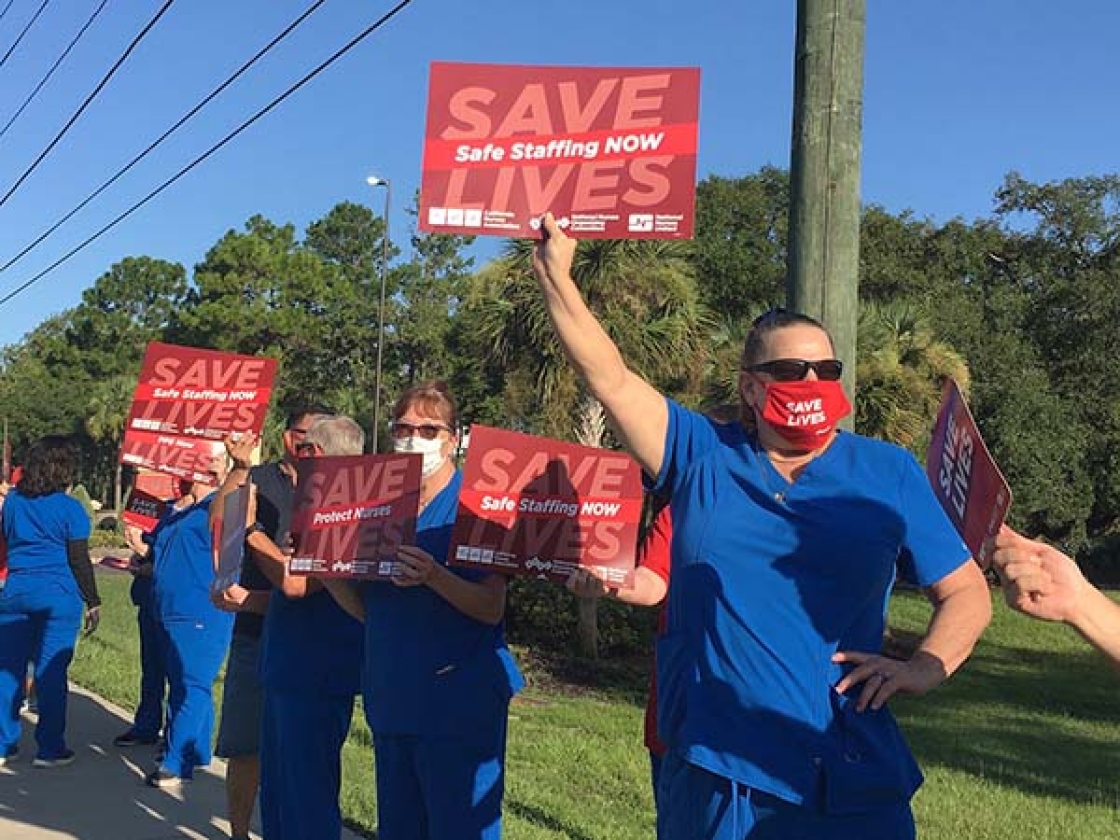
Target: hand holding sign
<point>414,566</point>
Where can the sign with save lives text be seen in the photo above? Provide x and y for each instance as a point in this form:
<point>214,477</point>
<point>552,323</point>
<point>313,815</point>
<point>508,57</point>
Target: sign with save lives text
<point>143,510</point>
<point>186,400</point>
<point>352,512</point>
<point>610,151</point>
<point>535,506</point>
<point>965,478</point>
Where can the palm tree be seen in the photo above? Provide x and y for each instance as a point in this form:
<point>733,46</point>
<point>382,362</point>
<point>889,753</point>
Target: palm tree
<point>108,410</point>
<point>644,293</point>
<point>901,367</point>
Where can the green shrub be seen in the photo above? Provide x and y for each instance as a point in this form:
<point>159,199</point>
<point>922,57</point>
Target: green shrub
<point>1102,561</point>
<point>100,538</point>
<point>542,615</point>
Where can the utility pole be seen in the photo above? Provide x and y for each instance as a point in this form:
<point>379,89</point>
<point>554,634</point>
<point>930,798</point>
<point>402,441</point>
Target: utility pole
<point>825,170</point>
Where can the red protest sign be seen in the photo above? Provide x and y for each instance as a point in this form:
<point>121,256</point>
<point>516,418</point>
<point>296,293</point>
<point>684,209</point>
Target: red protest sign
<point>610,151</point>
<point>535,506</point>
<point>352,512</point>
<point>143,510</point>
<point>182,457</point>
<point>200,393</point>
<point>185,394</point>
<point>965,478</point>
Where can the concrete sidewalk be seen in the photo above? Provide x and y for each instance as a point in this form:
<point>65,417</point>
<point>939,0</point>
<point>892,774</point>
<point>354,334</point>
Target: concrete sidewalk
<point>102,796</point>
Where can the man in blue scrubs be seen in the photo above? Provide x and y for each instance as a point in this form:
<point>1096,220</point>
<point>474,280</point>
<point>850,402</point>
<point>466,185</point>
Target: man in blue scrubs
<point>771,686</point>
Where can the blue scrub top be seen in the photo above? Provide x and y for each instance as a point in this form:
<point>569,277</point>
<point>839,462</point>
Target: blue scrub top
<point>769,579</point>
<point>430,669</point>
<point>183,568</point>
<point>311,644</point>
<point>37,529</point>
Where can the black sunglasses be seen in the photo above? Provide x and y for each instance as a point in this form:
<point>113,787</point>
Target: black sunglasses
<point>428,431</point>
<point>793,370</point>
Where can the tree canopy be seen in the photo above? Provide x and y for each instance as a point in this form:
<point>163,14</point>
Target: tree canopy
<point>1020,307</point>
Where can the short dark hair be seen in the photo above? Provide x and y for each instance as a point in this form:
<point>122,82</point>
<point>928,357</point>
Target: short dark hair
<point>50,467</point>
<point>305,410</point>
<point>771,321</point>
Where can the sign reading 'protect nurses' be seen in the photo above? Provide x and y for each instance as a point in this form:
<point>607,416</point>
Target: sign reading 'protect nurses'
<point>186,399</point>
<point>352,512</point>
<point>610,151</point>
<point>540,507</point>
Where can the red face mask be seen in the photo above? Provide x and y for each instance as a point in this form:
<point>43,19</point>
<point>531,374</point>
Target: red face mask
<point>805,412</point>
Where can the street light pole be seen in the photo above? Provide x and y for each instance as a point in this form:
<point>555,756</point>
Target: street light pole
<point>375,181</point>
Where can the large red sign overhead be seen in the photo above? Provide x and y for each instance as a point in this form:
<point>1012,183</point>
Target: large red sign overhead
<point>534,506</point>
<point>188,398</point>
<point>965,477</point>
<point>352,512</point>
<point>610,151</point>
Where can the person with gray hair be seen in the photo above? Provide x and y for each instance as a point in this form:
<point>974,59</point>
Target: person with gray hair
<point>333,435</point>
<point>311,667</point>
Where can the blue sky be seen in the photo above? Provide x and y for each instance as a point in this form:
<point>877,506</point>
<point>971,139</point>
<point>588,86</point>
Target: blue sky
<point>956,95</point>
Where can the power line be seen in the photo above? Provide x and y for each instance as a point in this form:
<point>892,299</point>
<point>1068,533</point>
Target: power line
<point>54,67</point>
<point>266,109</point>
<point>10,2</point>
<point>135,160</point>
<point>104,81</point>
<point>30,23</point>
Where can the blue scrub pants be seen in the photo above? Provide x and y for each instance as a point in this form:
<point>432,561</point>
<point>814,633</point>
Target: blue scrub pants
<point>195,651</point>
<point>698,805</point>
<point>440,787</point>
<point>148,722</point>
<point>40,616</point>
<point>301,766</point>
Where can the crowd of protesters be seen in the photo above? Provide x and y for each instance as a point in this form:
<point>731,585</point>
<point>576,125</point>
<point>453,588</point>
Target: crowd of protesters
<point>768,716</point>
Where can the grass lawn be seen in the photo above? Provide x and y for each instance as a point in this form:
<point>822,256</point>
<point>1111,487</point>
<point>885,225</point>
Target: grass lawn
<point>1023,742</point>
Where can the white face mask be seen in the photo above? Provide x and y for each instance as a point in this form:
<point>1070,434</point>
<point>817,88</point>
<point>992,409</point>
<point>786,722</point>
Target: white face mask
<point>432,450</point>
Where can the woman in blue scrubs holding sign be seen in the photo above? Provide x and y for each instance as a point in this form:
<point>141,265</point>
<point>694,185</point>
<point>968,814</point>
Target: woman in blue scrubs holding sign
<point>772,686</point>
<point>439,676</point>
<point>196,632</point>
